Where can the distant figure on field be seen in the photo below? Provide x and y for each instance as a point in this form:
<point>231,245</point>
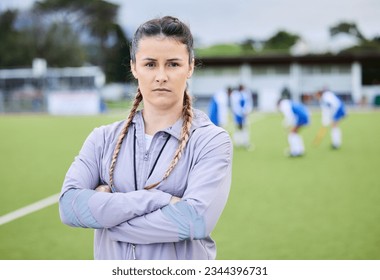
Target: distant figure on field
<point>285,93</point>
<point>333,111</point>
<point>296,116</point>
<point>241,106</point>
<point>218,107</point>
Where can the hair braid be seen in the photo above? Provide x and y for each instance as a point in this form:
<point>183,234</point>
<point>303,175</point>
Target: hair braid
<point>132,113</point>
<point>187,116</point>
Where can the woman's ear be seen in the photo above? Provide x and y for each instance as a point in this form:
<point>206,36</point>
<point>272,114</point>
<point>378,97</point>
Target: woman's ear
<point>191,69</point>
<point>133,69</point>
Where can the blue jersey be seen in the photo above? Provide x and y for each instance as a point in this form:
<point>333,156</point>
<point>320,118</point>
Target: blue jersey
<point>213,111</point>
<point>295,113</point>
<point>301,114</point>
<point>241,105</point>
<point>333,108</point>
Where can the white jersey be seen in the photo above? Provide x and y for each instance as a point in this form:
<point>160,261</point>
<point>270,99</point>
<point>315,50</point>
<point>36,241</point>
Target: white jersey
<point>241,102</point>
<point>285,108</point>
<point>221,98</point>
<point>330,104</point>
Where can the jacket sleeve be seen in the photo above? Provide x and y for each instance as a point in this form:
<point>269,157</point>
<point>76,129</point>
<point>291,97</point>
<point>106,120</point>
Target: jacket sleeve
<point>81,206</point>
<point>196,215</point>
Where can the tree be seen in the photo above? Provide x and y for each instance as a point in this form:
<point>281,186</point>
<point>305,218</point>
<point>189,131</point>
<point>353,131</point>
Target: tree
<point>24,36</point>
<point>117,68</point>
<point>348,28</point>
<point>61,47</point>
<point>14,50</point>
<point>365,45</point>
<point>248,45</point>
<point>95,18</point>
<point>282,40</point>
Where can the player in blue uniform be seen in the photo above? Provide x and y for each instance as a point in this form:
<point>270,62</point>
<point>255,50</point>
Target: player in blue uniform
<point>241,106</point>
<point>296,116</point>
<point>333,111</point>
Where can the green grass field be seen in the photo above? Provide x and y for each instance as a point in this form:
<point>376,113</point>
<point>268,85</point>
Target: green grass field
<point>322,206</point>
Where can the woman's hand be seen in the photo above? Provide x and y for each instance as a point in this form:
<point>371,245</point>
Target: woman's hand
<point>103,188</point>
<point>174,200</point>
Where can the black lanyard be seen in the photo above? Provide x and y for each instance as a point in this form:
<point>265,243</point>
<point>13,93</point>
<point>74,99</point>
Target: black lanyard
<point>134,156</point>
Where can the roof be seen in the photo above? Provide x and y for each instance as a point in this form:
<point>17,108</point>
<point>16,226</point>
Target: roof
<point>289,59</point>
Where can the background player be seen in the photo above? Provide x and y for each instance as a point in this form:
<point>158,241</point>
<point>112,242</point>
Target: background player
<point>296,116</point>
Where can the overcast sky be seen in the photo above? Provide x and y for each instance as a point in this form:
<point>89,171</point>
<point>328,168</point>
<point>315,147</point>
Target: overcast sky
<point>215,21</point>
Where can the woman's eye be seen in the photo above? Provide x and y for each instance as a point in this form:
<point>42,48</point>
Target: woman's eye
<point>150,64</point>
<point>173,64</point>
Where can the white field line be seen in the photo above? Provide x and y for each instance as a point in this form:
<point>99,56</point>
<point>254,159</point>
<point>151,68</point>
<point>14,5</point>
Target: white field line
<point>29,209</point>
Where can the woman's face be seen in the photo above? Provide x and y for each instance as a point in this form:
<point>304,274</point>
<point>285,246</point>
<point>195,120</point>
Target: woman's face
<point>162,68</point>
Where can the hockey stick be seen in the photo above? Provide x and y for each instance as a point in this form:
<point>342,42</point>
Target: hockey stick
<point>320,135</point>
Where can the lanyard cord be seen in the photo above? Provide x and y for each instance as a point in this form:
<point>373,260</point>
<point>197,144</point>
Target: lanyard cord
<point>163,147</point>
<point>134,157</point>
<point>155,163</point>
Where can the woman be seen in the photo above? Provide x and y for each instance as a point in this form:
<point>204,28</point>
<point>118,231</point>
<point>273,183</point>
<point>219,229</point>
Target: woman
<point>332,111</point>
<point>296,116</point>
<point>241,106</point>
<point>153,186</point>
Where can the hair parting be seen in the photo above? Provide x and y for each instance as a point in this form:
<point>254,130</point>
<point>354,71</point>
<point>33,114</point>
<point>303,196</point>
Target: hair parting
<point>167,26</point>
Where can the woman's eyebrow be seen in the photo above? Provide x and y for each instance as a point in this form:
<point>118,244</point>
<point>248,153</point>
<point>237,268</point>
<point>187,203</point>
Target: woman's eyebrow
<point>175,59</point>
<point>170,59</point>
<point>150,59</point>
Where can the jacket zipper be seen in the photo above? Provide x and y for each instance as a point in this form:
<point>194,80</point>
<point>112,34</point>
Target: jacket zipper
<point>134,251</point>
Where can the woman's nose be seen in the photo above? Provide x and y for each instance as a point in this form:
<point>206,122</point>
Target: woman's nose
<point>161,76</point>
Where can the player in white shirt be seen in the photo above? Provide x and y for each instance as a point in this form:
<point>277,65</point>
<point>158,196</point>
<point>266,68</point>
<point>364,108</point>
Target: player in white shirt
<point>296,116</point>
<point>241,106</point>
<point>333,111</point>
<point>218,107</point>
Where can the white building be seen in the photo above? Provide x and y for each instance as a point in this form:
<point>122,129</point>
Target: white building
<point>58,91</point>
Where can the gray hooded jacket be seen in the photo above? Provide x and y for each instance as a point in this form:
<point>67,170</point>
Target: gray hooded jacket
<point>134,223</point>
